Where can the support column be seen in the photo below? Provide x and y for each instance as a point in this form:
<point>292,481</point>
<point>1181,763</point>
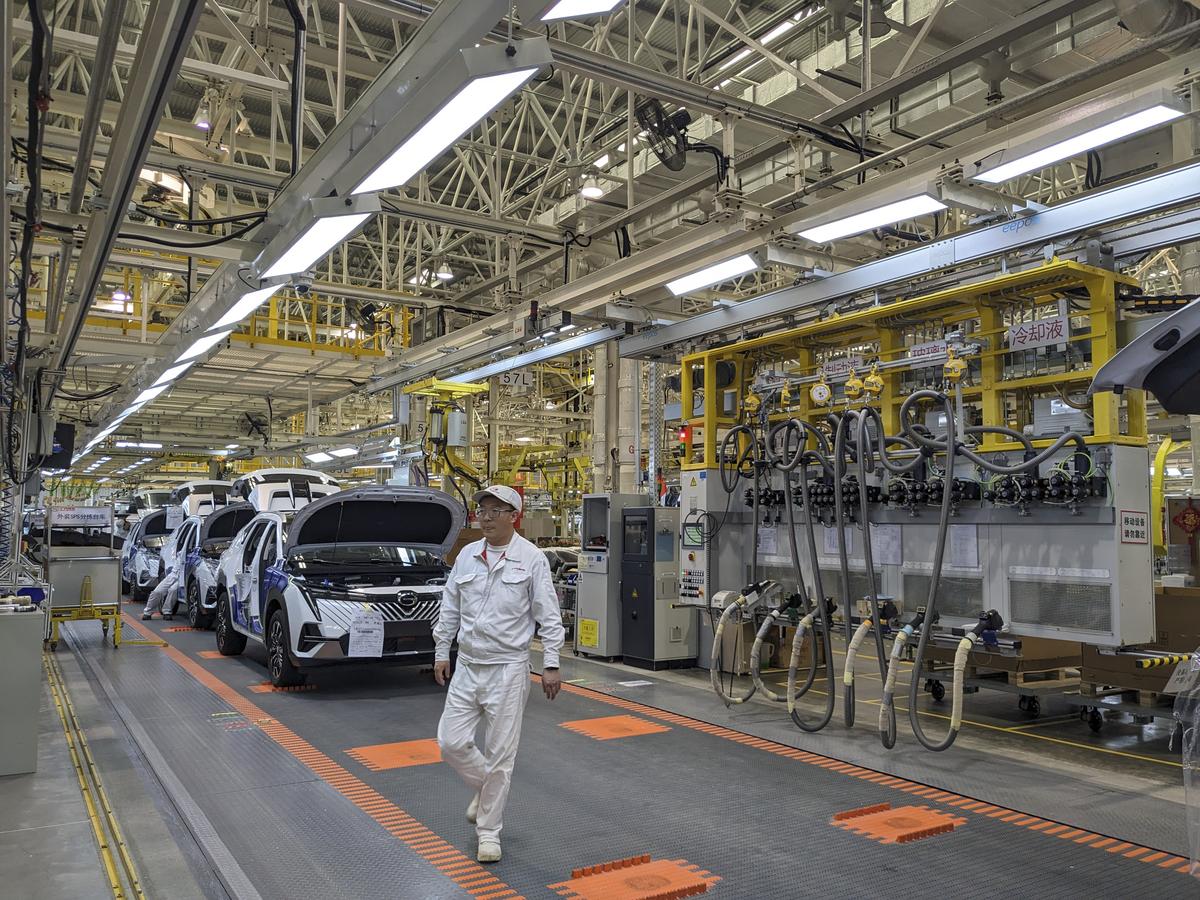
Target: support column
<point>628,422</point>
<point>655,405</point>
<point>493,431</point>
<point>599,418</point>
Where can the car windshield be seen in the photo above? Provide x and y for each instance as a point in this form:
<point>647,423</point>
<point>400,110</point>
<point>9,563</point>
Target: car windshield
<point>368,555</point>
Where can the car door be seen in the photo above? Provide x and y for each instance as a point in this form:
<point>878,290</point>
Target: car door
<point>243,577</point>
<point>183,547</point>
<point>266,554</point>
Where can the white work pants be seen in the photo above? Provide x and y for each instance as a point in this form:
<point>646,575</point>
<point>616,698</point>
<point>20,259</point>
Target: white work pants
<point>163,596</point>
<point>495,694</point>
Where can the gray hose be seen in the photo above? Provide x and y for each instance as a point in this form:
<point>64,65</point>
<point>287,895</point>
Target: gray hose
<point>801,460</point>
<point>939,553</point>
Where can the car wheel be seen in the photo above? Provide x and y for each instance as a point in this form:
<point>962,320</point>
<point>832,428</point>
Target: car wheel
<point>229,642</point>
<point>279,659</point>
<point>197,617</point>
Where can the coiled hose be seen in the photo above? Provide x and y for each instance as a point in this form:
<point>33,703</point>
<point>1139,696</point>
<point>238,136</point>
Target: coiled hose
<point>731,475</point>
<point>788,462</point>
<point>950,445</point>
<point>714,671</point>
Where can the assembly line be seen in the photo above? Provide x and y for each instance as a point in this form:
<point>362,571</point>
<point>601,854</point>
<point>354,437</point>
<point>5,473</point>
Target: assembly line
<point>511,449</point>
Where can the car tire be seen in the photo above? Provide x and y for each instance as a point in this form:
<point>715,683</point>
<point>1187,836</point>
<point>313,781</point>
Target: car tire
<point>280,668</point>
<point>197,617</point>
<point>229,641</point>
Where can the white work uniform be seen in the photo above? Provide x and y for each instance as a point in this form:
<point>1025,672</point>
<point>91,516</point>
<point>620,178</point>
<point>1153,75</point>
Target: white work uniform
<point>163,595</point>
<point>491,606</point>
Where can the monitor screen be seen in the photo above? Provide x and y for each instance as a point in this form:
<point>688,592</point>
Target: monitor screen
<point>693,535</point>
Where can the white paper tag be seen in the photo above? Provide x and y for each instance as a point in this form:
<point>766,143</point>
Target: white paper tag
<point>885,545</point>
<point>831,540</point>
<point>768,540</point>
<point>964,547</point>
<point>1184,677</point>
<point>366,634</point>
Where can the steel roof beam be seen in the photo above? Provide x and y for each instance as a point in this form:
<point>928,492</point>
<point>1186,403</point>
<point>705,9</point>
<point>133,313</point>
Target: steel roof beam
<point>1140,198</point>
<point>165,36</point>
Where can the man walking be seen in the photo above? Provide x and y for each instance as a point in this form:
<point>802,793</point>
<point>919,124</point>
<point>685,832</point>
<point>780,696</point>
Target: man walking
<point>499,587</point>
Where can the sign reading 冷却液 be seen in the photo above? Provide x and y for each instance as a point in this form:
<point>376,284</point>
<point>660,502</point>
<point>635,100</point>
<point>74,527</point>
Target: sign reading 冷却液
<point>1038,333</point>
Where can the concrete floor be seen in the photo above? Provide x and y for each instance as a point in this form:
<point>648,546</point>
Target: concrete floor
<point>1123,781</point>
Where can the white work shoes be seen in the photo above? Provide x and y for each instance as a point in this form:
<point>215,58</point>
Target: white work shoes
<point>473,809</point>
<point>489,852</point>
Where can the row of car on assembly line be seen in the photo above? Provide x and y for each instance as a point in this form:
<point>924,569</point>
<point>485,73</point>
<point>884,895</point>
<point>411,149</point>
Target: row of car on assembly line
<point>315,574</point>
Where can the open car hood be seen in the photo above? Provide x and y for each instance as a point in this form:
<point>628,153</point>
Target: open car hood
<point>1164,360</point>
<point>384,515</point>
<point>225,522</point>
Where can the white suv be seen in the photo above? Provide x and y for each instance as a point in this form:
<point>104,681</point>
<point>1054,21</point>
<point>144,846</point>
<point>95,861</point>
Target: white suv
<point>357,575</point>
<point>198,582</point>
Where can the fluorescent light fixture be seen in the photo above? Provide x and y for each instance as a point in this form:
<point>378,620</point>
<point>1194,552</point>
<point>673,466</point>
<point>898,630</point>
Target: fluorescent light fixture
<point>101,480</point>
<point>1091,132</point>
<point>778,31</point>
<point>876,217</point>
<point>541,354</point>
<point>150,393</point>
<point>343,452</point>
<point>317,240</point>
<point>318,457</point>
<point>172,373</point>
<point>232,446</point>
<point>591,189</point>
<point>119,296</point>
<point>240,310</point>
<point>574,9</point>
<point>1174,472</point>
<point>470,105</point>
<point>714,274</point>
<point>733,60</point>
<point>140,445</point>
<point>203,345</point>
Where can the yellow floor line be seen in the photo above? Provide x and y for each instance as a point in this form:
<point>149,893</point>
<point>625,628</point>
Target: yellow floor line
<point>106,858</point>
<point>1011,730</point>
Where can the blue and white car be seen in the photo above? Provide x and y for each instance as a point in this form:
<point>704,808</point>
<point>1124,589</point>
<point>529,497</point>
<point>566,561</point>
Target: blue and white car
<point>283,490</point>
<point>141,561</point>
<point>350,577</point>
<point>198,583</point>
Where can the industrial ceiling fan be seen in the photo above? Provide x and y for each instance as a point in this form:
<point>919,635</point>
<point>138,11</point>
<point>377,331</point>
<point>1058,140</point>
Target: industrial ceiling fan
<point>667,137</point>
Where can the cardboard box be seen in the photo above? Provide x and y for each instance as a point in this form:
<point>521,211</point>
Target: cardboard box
<point>1120,671</point>
<point>1037,655</point>
<point>786,634</point>
<point>1176,619</point>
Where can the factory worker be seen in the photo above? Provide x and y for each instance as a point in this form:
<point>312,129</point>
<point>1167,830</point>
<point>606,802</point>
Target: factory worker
<point>499,587</point>
<point>162,598</point>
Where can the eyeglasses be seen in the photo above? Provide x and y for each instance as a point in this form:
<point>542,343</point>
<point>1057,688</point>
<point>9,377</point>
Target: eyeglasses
<point>490,512</point>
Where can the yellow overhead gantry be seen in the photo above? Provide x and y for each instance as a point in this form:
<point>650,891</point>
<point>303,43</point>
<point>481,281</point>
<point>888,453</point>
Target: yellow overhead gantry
<point>1077,301</point>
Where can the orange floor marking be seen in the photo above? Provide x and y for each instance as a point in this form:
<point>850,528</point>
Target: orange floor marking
<point>636,878</point>
<point>324,767</point>
<point>947,798</point>
<point>265,687</point>
<point>608,728</point>
<point>898,826</point>
<point>380,757</point>
<point>213,654</point>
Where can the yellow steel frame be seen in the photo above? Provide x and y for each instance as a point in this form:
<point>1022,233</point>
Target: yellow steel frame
<point>877,325</point>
